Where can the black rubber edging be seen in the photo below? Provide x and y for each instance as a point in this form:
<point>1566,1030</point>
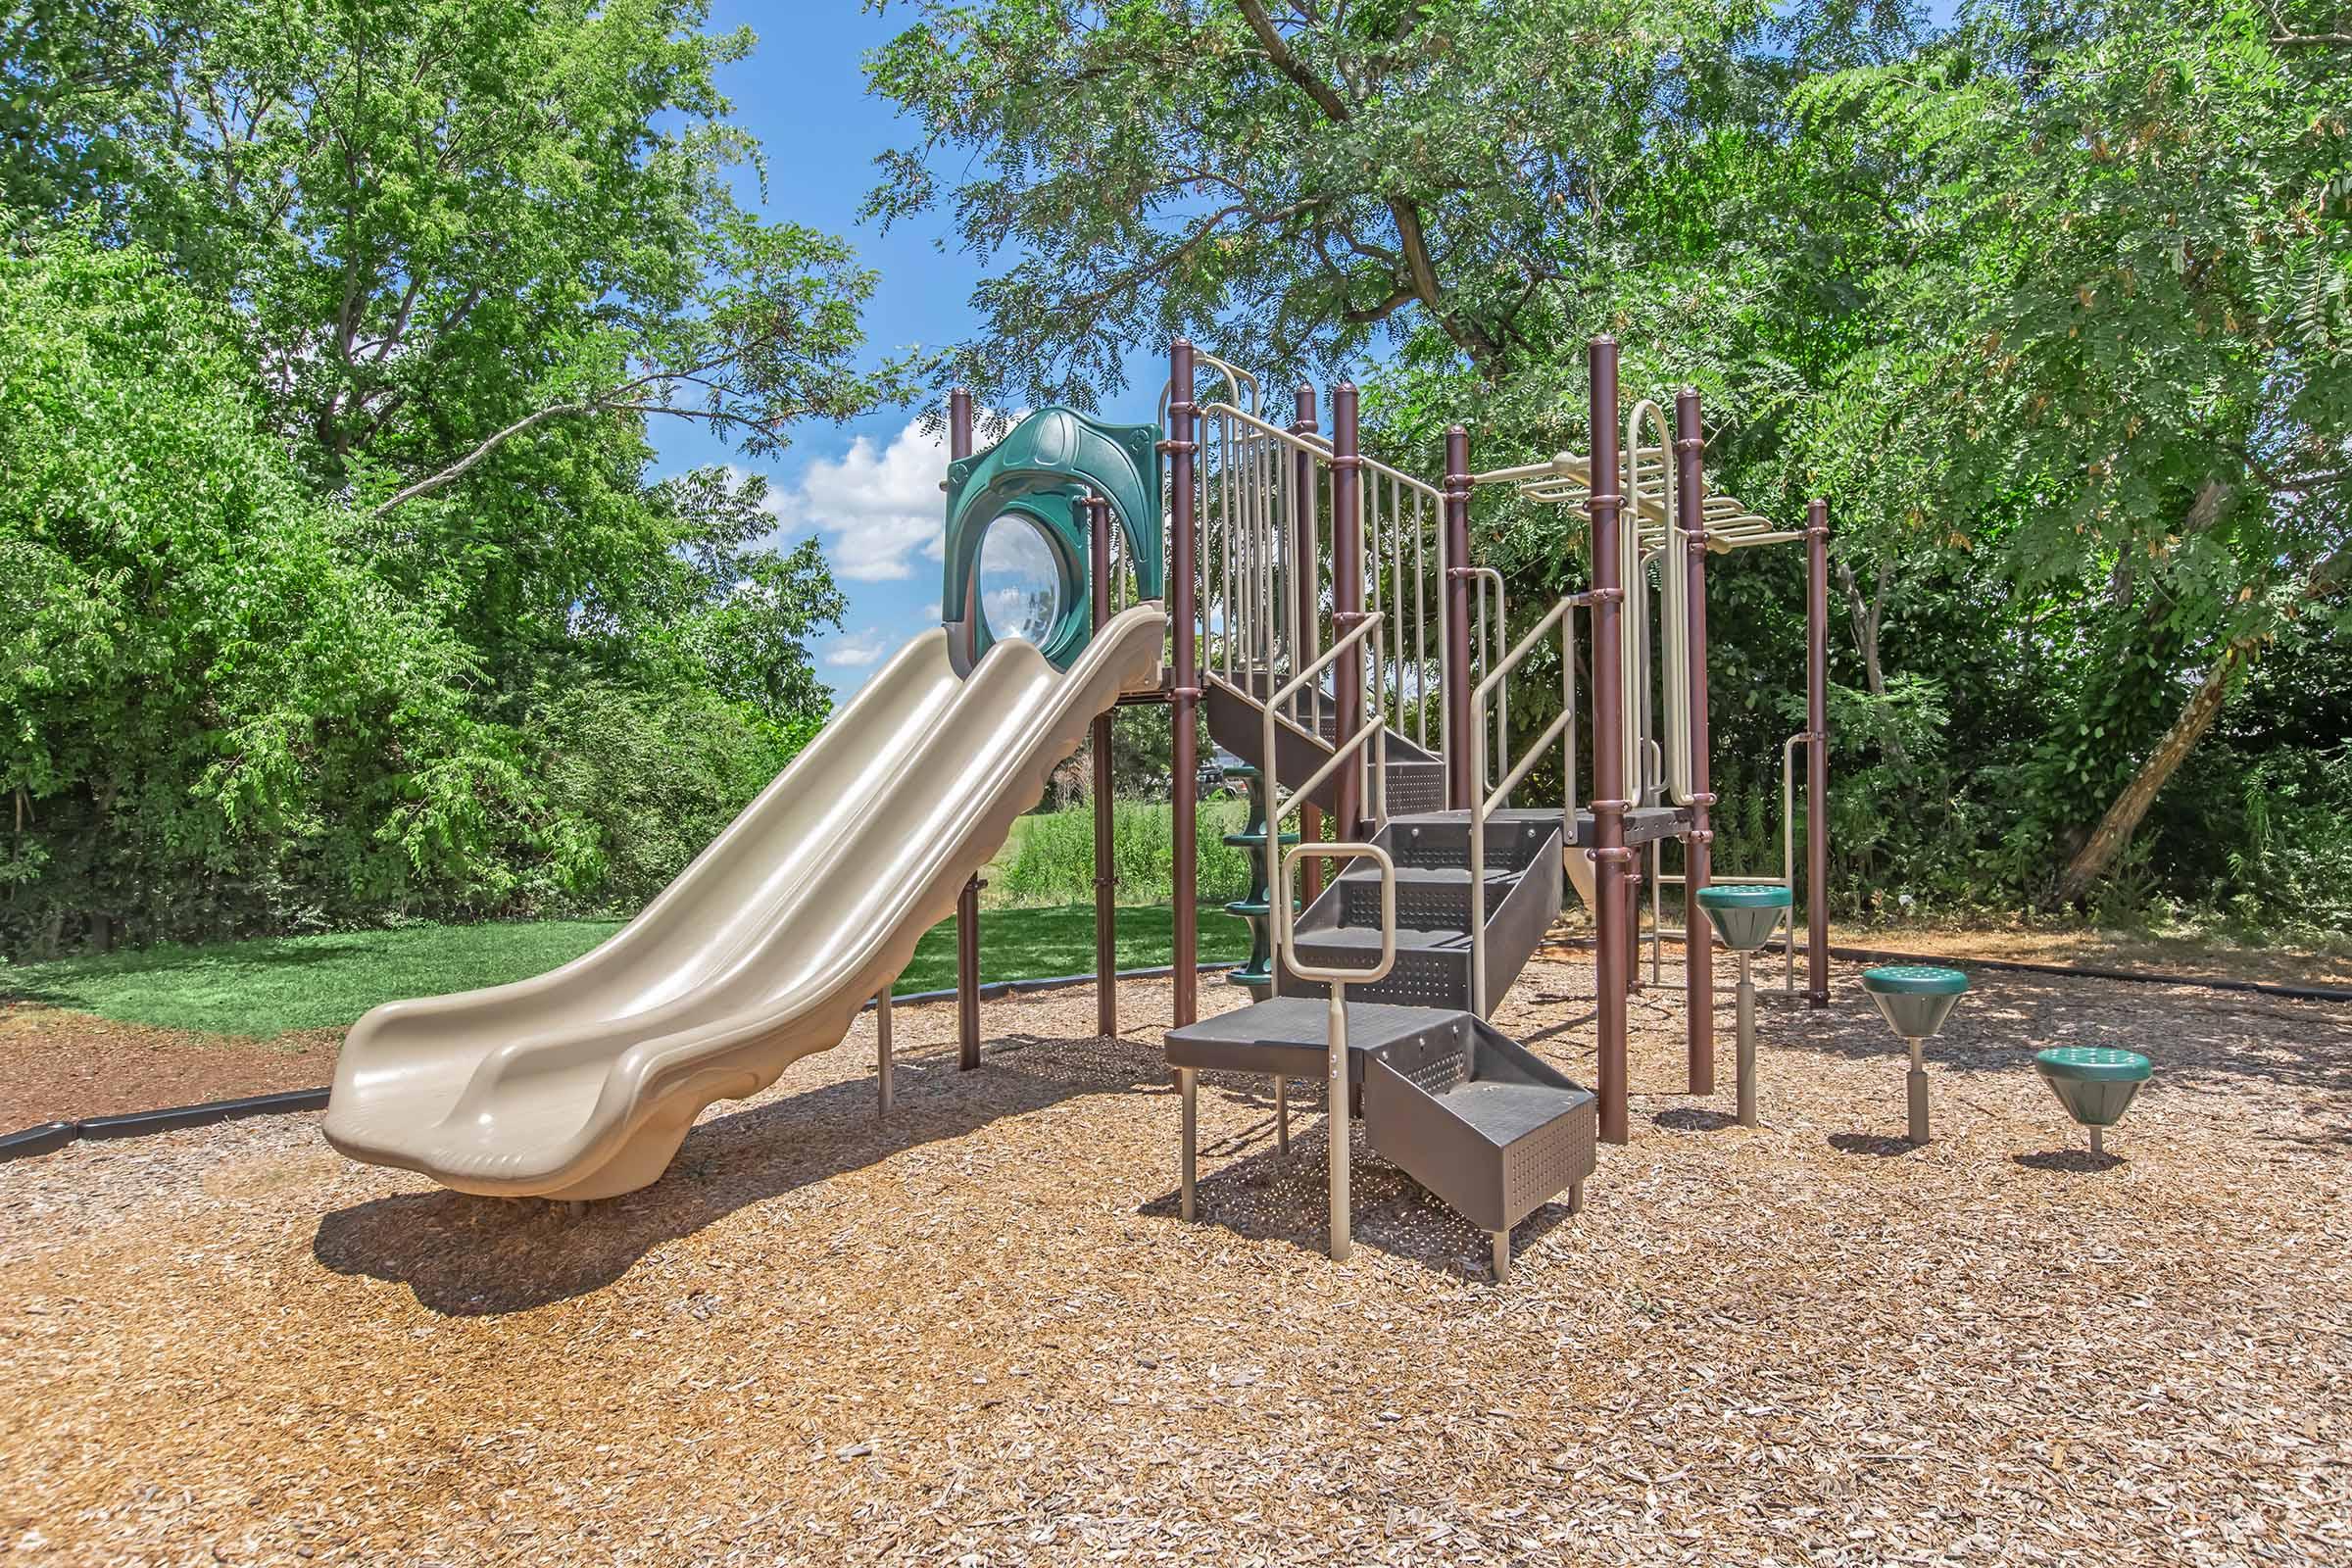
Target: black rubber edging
<point>2157,977</point>
<point>2153,978</point>
<point>50,1137</point>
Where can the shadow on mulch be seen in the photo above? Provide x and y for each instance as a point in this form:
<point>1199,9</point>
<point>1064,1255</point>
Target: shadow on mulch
<point>1265,1195</point>
<point>1694,1119</point>
<point>1875,1145</point>
<point>473,1256</point>
<point>2081,1162</point>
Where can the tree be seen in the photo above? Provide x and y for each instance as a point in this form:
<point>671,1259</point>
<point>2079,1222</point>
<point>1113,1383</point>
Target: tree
<point>204,708</point>
<point>2130,336</point>
<point>1287,182</point>
<point>450,261</point>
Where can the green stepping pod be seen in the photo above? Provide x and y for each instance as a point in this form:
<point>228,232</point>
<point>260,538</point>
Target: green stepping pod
<point>1915,997</point>
<point>1745,914</point>
<point>2097,1084</point>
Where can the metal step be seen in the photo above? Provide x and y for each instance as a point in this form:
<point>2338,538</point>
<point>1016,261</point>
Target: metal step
<point>1469,1113</point>
<point>1287,1036</point>
<point>1428,897</point>
<point>1433,966</point>
<point>1481,1121</point>
<point>1414,779</point>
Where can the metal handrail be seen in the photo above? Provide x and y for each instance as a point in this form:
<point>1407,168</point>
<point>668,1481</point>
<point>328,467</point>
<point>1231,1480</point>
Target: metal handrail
<point>1562,729</point>
<point>1276,800</point>
<point>1490,649</point>
<point>1334,1031</point>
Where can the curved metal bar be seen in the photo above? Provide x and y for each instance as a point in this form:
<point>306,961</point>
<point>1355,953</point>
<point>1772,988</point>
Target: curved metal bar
<point>1562,729</point>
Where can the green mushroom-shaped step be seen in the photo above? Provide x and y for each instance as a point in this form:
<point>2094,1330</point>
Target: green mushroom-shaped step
<point>1745,913</point>
<point>1915,997</point>
<point>2097,1084</point>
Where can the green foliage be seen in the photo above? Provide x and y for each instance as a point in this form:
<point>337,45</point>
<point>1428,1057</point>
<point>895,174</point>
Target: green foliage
<point>1054,862</point>
<point>2055,305</point>
<point>338,588</point>
<point>198,692</point>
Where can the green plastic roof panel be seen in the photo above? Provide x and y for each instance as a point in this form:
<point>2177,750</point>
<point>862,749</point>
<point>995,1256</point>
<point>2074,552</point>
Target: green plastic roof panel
<point>1038,472</point>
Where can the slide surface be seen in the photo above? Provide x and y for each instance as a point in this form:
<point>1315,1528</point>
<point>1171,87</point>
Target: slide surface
<point>582,1082</point>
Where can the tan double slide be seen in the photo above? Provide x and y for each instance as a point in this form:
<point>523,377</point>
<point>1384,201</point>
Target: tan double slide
<point>582,1082</point>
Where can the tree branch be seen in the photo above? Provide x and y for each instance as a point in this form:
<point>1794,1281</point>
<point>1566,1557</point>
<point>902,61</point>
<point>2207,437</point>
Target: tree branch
<point>1290,64</point>
<point>454,471</point>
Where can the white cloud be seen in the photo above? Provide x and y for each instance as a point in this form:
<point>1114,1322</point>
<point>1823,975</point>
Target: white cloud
<point>929,613</point>
<point>877,506</point>
<point>856,650</point>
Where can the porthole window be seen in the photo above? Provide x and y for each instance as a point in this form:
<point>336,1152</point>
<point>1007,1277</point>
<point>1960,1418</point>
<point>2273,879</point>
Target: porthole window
<point>1019,580</point>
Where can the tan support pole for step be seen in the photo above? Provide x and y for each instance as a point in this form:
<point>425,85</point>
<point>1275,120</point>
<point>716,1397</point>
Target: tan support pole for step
<point>967,902</point>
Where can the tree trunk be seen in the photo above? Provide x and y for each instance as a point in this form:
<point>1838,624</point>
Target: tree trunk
<point>1867,619</point>
<point>2123,818</point>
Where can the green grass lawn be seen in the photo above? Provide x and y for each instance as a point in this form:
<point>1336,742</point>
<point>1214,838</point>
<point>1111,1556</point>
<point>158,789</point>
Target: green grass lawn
<point>269,986</point>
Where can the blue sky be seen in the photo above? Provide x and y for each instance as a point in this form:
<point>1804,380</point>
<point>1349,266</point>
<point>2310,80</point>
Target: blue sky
<point>869,489</point>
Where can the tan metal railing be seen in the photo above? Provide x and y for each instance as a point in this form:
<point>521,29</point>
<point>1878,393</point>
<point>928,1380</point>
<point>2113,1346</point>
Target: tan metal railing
<point>1334,1030</point>
<point>1372,738</point>
<point>1483,801</point>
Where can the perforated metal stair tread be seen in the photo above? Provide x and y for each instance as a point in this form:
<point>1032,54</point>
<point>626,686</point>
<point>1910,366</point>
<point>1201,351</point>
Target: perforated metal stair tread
<point>1365,939</point>
<point>1501,1112</point>
<point>1287,1036</point>
<point>1481,1121</point>
<point>1431,875</point>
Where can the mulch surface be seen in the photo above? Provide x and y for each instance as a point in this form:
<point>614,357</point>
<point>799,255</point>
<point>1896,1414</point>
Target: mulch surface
<point>979,1334</point>
<point>57,1066</point>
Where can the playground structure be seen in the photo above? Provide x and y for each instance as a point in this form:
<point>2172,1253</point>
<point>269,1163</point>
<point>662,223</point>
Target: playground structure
<point>1322,614</point>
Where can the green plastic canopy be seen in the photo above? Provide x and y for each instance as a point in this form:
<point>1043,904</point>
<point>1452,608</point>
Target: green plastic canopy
<point>1036,475</point>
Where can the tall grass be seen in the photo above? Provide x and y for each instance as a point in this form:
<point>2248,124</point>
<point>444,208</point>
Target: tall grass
<point>1053,860</point>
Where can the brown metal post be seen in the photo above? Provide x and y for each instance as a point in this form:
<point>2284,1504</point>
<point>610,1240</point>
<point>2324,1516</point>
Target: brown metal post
<point>1106,909</point>
<point>1817,754</point>
<point>1183,694</point>
<point>1347,594</point>
<point>1699,935</point>
<point>1455,679</point>
<point>967,902</point>
<point>1307,574</point>
<point>1611,940</point>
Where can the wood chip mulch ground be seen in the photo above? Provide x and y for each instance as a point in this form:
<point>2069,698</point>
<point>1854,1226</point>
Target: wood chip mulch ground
<point>58,1066</point>
<point>978,1334</point>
